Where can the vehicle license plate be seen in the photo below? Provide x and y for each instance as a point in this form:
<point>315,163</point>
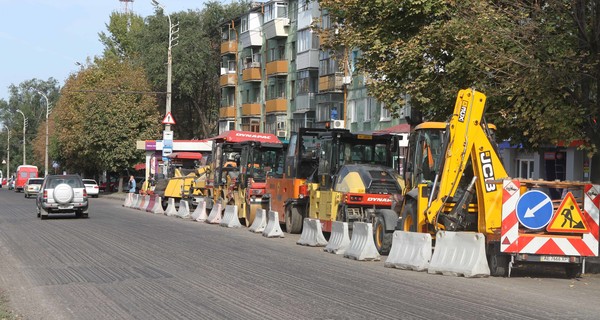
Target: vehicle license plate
<point>554,259</point>
<point>65,207</point>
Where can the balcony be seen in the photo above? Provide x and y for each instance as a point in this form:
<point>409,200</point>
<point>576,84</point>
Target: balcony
<point>252,73</point>
<point>306,102</point>
<point>276,105</point>
<point>250,109</point>
<point>277,67</point>
<point>332,82</point>
<point>229,47</point>
<point>276,28</point>
<point>227,112</point>
<point>228,80</point>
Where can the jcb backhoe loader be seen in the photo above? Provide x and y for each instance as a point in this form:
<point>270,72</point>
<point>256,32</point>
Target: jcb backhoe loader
<point>454,182</point>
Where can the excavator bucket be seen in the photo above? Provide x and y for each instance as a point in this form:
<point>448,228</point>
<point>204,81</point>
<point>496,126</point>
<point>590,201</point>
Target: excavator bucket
<point>459,253</point>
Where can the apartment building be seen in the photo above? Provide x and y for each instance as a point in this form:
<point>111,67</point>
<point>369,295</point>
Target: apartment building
<point>275,78</point>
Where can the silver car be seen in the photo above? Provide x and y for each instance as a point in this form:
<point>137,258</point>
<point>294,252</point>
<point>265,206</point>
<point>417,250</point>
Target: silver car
<point>32,186</point>
<point>62,194</point>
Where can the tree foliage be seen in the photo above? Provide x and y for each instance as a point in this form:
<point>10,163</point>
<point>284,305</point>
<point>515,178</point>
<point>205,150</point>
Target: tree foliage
<point>25,97</point>
<point>102,112</point>
<point>537,61</point>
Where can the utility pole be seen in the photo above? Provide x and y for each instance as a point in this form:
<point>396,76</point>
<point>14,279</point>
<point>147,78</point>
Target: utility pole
<point>24,129</point>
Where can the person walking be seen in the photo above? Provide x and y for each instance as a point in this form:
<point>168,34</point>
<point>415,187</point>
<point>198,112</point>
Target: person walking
<point>131,185</point>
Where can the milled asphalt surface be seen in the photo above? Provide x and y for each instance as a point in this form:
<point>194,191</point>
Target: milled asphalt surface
<point>122,263</point>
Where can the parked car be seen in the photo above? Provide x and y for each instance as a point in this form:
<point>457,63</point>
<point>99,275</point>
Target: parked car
<point>62,194</point>
<point>91,186</point>
<point>32,186</point>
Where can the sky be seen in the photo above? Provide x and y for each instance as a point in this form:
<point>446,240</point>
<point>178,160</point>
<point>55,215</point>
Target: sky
<point>47,38</point>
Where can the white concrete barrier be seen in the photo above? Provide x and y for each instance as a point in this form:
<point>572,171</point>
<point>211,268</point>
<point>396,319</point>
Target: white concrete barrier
<point>171,209</point>
<point>273,229</point>
<point>136,201</point>
<point>199,213</point>
<point>362,246</point>
<point>128,200</point>
<point>150,204</point>
<point>410,250</point>
<point>230,218</point>
<point>260,221</point>
<point>141,202</point>
<point>215,214</point>
<point>339,240</point>
<point>312,233</point>
<point>459,253</point>
<point>184,209</point>
<point>158,209</point>
<point>144,203</point>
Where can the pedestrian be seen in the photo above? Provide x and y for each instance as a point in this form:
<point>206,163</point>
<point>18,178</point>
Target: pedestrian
<point>131,185</point>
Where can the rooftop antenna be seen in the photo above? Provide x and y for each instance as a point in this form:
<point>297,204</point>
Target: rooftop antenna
<point>126,5</point>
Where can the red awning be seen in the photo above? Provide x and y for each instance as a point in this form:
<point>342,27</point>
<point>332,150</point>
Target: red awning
<point>235,136</point>
<point>400,128</point>
<point>185,155</point>
<point>139,166</point>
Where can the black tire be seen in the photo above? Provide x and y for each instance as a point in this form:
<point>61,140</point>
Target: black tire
<point>38,212</point>
<point>409,216</point>
<point>26,196</point>
<point>78,214</point>
<point>573,270</point>
<point>293,219</point>
<point>383,239</point>
<point>498,264</point>
<point>43,217</point>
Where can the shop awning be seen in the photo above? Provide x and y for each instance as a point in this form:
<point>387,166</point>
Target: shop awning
<point>235,136</point>
<point>185,155</point>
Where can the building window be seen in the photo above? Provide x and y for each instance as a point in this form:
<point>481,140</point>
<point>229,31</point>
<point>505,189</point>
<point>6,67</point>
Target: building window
<point>369,108</point>
<point>302,5</point>
<point>307,40</point>
<point>352,111</point>
<point>244,24</point>
<point>385,113</point>
<point>275,10</point>
<point>525,168</point>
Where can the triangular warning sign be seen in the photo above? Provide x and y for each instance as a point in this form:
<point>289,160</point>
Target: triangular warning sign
<point>568,218</point>
<point>168,119</point>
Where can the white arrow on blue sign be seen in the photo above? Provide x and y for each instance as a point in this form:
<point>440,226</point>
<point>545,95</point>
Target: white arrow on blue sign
<point>534,209</point>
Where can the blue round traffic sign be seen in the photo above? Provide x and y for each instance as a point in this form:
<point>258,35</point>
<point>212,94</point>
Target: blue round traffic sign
<point>534,209</point>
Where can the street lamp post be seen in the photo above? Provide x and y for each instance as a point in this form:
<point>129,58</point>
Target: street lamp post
<point>7,154</point>
<point>24,129</point>
<point>173,30</point>
<point>46,150</point>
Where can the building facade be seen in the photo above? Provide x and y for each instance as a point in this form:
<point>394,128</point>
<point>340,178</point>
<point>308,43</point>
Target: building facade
<point>275,78</point>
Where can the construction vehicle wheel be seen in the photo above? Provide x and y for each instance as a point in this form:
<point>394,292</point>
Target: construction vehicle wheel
<point>251,213</point>
<point>383,239</point>
<point>293,219</point>
<point>409,217</point>
<point>573,270</point>
<point>498,264</point>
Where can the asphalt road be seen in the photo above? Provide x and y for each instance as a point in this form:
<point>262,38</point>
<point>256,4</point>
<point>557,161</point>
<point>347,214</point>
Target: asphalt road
<point>126,264</point>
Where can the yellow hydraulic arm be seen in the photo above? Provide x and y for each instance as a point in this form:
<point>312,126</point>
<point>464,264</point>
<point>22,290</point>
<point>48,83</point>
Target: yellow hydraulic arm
<point>468,138</point>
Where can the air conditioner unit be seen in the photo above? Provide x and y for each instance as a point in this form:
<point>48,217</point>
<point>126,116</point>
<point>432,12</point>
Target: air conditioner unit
<point>280,133</point>
<point>338,124</point>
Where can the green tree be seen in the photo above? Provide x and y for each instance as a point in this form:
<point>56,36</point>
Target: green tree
<point>24,97</point>
<point>537,61</point>
<point>103,110</point>
<point>195,68</point>
<point>120,40</point>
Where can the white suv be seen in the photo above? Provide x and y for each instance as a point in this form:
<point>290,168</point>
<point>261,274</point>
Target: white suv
<point>62,194</point>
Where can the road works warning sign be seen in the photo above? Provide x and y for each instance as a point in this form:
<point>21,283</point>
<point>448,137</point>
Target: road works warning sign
<point>568,218</point>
